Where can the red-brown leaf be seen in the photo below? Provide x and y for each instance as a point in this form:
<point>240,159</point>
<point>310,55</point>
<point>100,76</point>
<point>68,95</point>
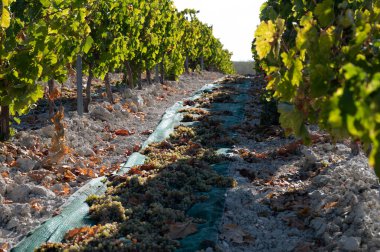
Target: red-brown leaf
<point>123,132</point>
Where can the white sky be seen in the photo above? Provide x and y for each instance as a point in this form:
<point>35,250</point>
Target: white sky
<point>234,22</point>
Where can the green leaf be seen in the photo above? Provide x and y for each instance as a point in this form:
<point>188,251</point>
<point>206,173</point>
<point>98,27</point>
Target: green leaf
<point>291,119</point>
<point>324,12</point>
<point>17,120</point>
<point>45,3</point>
<point>88,44</point>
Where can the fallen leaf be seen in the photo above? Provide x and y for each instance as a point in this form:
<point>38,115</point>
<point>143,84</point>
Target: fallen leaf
<point>65,190</point>
<point>247,174</point>
<point>4,247</point>
<point>103,170</point>
<point>109,108</point>
<point>136,147</point>
<point>112,147</point>
<point>69,176</point>
<point>5,174</point>
<point>304,212</point>
<point>38,175</point>
<point>123,132</point>
<point>234,233</point>
<point>330,205</point>
<point>148,167</point>
<point>54,94</point>
<point>13,163</point>
<point>57,212</point>
<point>135,171</point>
<point>79,234</point>
<point>180,230</point>
<point>289,149</point>
<point>147,132</point>
<point>86,172</point>
<point>295,222</point>
<point>306,247</point>
<point>36,206</point>
<point>128,152</point>
<point>188,103</point>
<point>96,160</point>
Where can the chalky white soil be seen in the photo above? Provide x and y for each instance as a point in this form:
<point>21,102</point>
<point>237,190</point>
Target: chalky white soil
<point>315,198</point>
<point>30,194</point>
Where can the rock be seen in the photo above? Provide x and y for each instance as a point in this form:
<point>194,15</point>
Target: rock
<point>5,213</point>
<point>342,149</point>
<point>20,179</point>
<point>19,193</point>
<point>181,85</point>
<point>42,192</point>
<point>127,93</point>
<point>125,113</point>
<point>317,194</point>
<point>318,223</point>
<point>100,113</point>
<point>139,101</point>
<point>1,199</point>
<point>3,185</point>
<point>57,187</point>
<point>328,147</point>
<point>350,243</point>
<point>310,157</point>
<point>120,150</point>
<point>321,180</point>
<point>2,158</point>
<point>149,100</point>
<point>86,151</point>
<point>9,158</point>
<point>12,223</point>
<point>117,107</point>
<point>134,108</point>
<point>25,164</point>
<point>48,131</point>
<point>374,243</point>
<point>27,140</point>
<point>95,127</point>
<point>22,209</point>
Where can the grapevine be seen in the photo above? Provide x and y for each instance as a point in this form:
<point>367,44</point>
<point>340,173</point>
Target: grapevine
<point>41,40</point>
<point>322,59</point>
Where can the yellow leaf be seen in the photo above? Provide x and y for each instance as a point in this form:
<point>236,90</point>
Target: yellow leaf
<point>5,17</point>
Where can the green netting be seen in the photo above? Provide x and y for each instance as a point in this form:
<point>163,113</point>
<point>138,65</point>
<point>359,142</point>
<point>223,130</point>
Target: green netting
<point>74,214</point>
<point>212,210</point>
<point>75,211</point>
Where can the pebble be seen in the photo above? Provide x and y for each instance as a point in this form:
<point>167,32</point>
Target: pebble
<point>86,151</point>
<point>19,193</point>
<point>48,131</point>
<point>3,185</point>
<point>25,164</point>
<point>350,243</point>
<point>100,113</point>
<point>41,191</point>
